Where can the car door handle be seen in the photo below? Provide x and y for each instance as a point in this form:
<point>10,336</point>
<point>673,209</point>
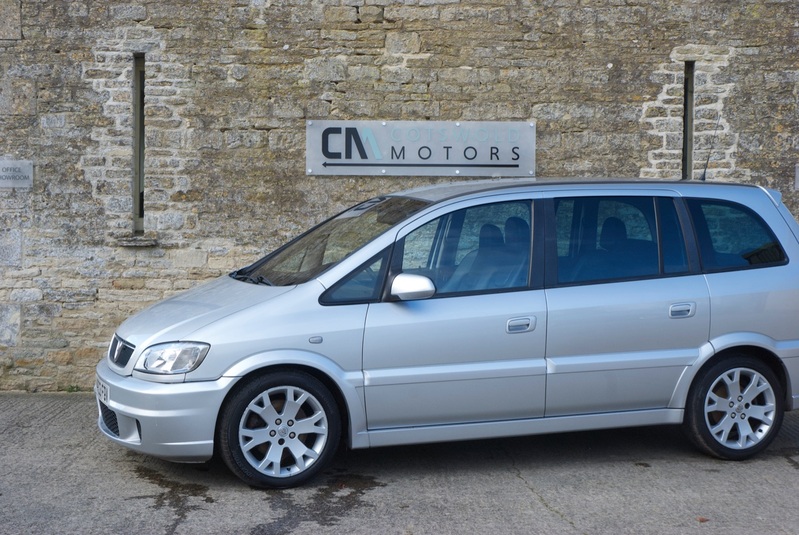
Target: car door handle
<point>682,310</point>
<point>520,325</point>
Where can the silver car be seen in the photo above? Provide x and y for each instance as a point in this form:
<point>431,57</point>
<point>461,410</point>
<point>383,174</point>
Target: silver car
<point>475,310</point>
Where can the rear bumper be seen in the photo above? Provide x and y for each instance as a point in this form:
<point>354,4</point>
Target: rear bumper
<point>175,421</point>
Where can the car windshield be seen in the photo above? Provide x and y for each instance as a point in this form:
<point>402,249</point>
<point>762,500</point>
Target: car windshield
<point>330,242</point>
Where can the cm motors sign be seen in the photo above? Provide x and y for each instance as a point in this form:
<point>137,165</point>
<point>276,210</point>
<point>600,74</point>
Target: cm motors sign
<point>420,148</point>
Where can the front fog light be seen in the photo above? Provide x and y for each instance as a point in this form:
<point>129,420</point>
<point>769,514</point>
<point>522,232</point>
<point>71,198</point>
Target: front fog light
<point>176,357</point>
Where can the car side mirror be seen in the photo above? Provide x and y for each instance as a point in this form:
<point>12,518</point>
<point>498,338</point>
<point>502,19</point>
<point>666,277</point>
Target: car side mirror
<point>409,287</point>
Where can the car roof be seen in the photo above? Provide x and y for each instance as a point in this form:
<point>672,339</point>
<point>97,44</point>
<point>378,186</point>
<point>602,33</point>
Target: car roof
<point>443,191</point>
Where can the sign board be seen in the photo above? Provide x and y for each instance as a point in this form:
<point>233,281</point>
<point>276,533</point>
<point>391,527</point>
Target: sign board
<point>420,148</point>
<point>16,174</point>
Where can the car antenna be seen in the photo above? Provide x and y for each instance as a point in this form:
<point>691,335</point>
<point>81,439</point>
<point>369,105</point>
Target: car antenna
<point>710,150</point>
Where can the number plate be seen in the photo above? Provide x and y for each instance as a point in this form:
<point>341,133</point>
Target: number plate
<point>101,391</point>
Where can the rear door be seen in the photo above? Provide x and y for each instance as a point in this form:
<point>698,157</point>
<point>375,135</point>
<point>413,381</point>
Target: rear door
<point>628,309</point>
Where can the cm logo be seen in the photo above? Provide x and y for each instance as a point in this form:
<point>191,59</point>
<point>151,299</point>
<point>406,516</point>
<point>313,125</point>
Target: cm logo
<point>352,139</point>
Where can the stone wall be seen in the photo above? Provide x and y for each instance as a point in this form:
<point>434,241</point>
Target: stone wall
<point>230,83</point>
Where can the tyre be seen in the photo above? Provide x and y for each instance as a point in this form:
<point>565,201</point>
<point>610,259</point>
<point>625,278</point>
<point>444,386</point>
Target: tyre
<point>279,430</point>
<point>735,408</point>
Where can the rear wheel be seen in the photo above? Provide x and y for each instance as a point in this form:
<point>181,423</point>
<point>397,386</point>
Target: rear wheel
<point>735,408</point>
<point>279,430</point>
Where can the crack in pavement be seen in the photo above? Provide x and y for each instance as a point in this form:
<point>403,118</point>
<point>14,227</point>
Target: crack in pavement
<point>540,497</point>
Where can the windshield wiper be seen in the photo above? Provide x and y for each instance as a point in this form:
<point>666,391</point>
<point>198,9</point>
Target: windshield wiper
<point>245,276</point>
<point>260,279</point>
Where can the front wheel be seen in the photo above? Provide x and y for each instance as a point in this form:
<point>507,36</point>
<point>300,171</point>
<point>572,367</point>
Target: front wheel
<point>279,430</point>
<point>735,408</point>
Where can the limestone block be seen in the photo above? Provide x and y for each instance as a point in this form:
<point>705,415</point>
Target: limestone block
<point>10,27</point>
<point>189,258</point>
<point>129,12</point>
<point>327,69</point>
<point>9,324</point>
<point>403,43</point>
<point>334,14</point>
<point>10,247</point>
<point>22,295</point>
<point>17,95</point>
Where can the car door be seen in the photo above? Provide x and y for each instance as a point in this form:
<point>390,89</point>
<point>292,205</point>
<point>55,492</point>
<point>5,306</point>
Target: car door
<point>628,308</point>
<point>474,352</point>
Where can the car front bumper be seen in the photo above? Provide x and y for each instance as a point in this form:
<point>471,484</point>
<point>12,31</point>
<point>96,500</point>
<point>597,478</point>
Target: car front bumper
<point>173,421</point>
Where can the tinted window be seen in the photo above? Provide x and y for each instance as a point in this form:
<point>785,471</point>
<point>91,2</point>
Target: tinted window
<point>361,286</point>
<point>471,250</point>
<point>732,236</point>
<point>609,238</point>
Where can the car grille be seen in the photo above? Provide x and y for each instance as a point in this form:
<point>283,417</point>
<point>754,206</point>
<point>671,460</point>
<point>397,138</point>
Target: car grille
<point>110,419</point>
<point>120,352</point>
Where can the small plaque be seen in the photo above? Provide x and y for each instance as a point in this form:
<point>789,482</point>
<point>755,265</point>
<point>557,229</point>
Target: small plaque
<point>16,174</point>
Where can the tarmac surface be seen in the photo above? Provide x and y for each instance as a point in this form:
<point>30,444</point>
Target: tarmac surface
<point>58,474</point>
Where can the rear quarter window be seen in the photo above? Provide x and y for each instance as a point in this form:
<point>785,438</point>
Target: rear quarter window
<point>732,236</point>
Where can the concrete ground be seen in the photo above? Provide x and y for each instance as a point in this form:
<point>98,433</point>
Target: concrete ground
<point>59,475</point>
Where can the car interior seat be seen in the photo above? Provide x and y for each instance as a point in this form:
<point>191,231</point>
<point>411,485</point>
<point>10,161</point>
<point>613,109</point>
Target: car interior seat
<point>476,268</point>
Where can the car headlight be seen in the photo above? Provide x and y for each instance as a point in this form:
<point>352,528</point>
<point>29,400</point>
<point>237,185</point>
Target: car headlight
<point>174,357</point>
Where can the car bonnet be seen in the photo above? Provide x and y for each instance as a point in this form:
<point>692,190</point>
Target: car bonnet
<point>174,319</point>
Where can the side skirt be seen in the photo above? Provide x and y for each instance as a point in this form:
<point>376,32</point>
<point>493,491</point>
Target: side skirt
<point>536,426</point>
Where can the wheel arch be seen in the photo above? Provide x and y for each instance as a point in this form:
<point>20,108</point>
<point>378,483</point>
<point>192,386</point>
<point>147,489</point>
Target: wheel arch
<point>763,354</point>
<point>345,387</point>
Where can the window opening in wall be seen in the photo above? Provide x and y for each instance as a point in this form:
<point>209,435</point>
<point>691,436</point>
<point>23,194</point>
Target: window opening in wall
<point>138,143</point>
<point>688,122</point>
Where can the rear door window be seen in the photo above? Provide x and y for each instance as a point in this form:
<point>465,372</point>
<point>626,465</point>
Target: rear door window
<point>613,238</point>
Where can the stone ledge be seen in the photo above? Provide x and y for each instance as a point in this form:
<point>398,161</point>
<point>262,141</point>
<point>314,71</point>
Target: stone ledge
<point>137,241</point>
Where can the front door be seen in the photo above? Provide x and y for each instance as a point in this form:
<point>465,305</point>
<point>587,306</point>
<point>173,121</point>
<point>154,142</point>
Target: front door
<point>475,351</point>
